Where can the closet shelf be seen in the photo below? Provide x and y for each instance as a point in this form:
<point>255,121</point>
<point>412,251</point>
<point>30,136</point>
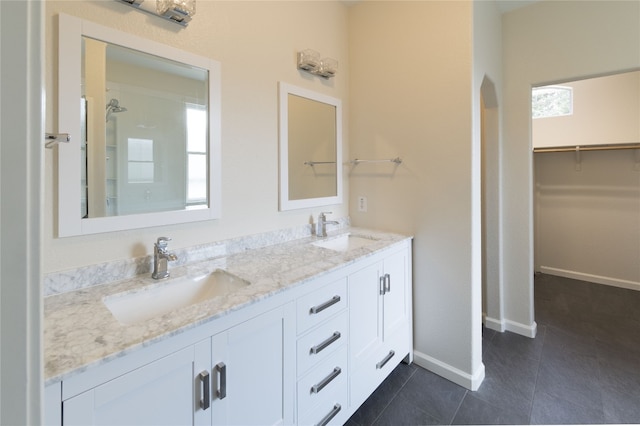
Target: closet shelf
<point>580,148</point>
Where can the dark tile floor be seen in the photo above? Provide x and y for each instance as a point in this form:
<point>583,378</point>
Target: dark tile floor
<point>583,367</point>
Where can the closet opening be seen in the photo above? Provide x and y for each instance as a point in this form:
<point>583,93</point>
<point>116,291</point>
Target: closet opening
<point>587,179</point>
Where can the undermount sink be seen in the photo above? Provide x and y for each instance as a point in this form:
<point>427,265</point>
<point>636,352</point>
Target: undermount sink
<point>158,299</point>
<point>345,242</point>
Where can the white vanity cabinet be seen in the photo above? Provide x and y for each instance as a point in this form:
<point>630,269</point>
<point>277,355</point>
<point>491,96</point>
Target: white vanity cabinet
<point>252,371</point>
<point>241,376</point>
<point>311,354</point>
<point>161,392</point>
<point>380,321</point>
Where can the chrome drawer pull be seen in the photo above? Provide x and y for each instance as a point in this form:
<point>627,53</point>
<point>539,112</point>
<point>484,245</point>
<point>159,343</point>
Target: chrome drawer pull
<point>385,360</point>
<point>326,419</point>
<point>387,279</point>
<point>324,382</point>
<point>222,374</point>
<point>318,348</point>
<point>383,286</point>
<point>206,397</point>
<point>321,307</point>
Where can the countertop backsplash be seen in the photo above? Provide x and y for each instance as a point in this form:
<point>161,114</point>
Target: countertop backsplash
<point>102,273</point>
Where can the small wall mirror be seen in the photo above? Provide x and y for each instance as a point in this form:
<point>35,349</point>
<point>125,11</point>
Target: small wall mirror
<point>145,125</point>
<point>310,148</point>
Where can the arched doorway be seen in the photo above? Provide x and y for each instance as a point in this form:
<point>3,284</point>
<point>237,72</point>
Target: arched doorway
<point>490,175</point>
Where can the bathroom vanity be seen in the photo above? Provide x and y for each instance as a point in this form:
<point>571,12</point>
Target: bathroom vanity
<point>303,334</point>
<point>287,331</point>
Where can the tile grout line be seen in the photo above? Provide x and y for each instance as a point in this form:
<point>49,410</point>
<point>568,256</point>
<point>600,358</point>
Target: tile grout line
<point>395,394</point>
<point>535,384</point>
<point>466,392</point>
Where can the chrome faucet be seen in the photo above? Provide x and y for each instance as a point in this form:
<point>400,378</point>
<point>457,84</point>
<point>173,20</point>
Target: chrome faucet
<point>321,226</point>
<point>161,256</point>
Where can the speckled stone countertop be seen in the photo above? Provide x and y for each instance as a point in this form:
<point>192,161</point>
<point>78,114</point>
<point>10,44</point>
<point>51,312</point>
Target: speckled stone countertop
<point>81,332</point>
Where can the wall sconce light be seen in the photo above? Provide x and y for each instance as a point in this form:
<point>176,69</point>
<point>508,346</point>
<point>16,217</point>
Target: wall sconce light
<point>309,61</point>
<point>177,11</point>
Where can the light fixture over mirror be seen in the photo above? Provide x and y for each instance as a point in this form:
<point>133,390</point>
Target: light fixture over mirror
<point>310,148</point>
<point>144,120</point>
<point>309,61</point>
<point>177,11</point>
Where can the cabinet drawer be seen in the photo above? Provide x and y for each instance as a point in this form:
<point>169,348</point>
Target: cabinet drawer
<point>332,411</point>
<point>323,303</point>
<point>323,382</point>
<point>321,342</point>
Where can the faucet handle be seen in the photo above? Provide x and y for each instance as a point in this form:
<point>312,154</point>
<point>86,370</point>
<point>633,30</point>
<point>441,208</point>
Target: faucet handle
<point>322,214</point>
<point>162,242</point>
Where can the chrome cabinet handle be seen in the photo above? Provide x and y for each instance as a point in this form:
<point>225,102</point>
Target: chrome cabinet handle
<point>324,382</point>
<point>385,360</point>
<point>318,348</point>
<point>221,368</point>
<point>206,396</point>
<point>326,419</point>
<point>387,279</point>
<point>383,287</point>
<point>321,307</point>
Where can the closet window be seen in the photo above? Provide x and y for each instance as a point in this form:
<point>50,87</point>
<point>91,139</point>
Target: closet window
<point>551,101</point>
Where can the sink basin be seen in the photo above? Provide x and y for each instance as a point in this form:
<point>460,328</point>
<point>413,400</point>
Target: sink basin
<point>158,299</point>
<point>345,242</point>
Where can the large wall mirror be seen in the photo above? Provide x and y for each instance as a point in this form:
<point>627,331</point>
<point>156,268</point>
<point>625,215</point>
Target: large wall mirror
<point>144,120</point>
<point>310,148</point>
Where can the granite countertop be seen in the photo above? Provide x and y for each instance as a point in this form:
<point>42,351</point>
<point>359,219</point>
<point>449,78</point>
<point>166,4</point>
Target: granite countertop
<point>81,332</point>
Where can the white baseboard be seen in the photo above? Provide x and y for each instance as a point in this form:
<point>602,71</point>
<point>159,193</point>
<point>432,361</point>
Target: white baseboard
<point>522,329</point>
<point>494,324</point>
<point>598,279</point>
<point>459,377</point>
<point>508,325</point>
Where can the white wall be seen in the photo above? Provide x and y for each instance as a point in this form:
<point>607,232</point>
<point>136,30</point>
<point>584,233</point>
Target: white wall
<point>411,96</point>
<point>487,117</point>
<point>256,43</point>
<point>21,148</point>
<point>544,43</point>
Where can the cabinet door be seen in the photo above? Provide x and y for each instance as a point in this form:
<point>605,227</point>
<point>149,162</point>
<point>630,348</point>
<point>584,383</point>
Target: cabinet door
<point>52,405</point>
<point>252,380</point>
<point>396,309</point>
<point>365,313</point>
<point>159,393</point>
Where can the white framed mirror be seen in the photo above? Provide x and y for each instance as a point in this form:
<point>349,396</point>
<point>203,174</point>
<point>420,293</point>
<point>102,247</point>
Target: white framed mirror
<point>144,120</point>
<point>310,148</point>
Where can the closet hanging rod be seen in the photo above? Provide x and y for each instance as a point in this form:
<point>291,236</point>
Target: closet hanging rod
<point>396,160</point>
<point>579,148</point>
<point>313,163</point>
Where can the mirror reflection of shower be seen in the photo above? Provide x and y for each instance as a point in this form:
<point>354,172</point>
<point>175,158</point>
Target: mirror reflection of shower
<point>111,156</point>
<point>114,107</point>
